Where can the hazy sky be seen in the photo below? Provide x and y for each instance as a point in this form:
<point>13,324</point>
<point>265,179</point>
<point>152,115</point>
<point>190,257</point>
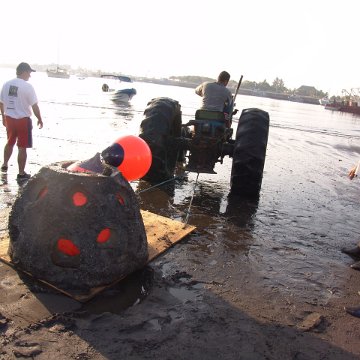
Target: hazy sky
<point>307,42</point>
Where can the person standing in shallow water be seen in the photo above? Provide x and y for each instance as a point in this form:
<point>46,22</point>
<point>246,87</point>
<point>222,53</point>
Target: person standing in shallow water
<point>354,171</point>
<point>354,252</point>
<point>17,102</point>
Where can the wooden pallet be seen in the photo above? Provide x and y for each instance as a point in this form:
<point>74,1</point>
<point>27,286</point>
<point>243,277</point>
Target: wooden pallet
<point>161,232</point>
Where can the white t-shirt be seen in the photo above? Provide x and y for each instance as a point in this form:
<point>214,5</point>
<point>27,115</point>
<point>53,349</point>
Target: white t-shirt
<point>18,96</point>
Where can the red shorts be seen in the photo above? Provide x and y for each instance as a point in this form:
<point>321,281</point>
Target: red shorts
<point>20,129</point>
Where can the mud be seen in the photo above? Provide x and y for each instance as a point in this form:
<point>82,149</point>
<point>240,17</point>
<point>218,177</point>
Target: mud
<point>210,296</point>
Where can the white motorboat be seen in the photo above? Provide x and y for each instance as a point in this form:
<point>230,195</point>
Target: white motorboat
<point>116,86</point>
<point>324,101</point>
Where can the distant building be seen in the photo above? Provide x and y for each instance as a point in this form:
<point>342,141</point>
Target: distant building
<point>307,91</point>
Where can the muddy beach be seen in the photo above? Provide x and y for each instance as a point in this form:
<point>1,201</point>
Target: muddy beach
<point>256,280</point>
<point>212,295</point>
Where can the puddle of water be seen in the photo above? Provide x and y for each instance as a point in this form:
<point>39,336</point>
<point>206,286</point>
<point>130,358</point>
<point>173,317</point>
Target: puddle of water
<point>184,294</point>
<point>129,292</point>
<point>154,323</point>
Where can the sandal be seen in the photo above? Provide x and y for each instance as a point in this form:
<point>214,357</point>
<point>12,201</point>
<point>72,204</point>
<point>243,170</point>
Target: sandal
<point>24,176</point>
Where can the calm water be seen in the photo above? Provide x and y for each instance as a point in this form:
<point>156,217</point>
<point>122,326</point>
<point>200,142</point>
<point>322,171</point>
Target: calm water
<point>307,211</point>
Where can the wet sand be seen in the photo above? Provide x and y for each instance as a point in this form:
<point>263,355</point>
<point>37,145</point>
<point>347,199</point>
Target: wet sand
<point>257,280</point>
<point>221,292</point>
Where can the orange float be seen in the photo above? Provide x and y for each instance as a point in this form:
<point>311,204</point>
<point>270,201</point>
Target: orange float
<point>130,154</point>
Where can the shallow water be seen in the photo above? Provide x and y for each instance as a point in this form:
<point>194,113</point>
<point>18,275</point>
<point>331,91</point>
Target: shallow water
<point>307,208</point>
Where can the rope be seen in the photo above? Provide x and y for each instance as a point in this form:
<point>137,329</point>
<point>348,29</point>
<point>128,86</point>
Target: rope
<point>164,182</point>
<point>173,179</point>
<point>192,197</point>
<point>159,184</point>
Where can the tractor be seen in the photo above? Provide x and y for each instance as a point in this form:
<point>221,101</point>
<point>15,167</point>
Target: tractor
<point>204,141</point>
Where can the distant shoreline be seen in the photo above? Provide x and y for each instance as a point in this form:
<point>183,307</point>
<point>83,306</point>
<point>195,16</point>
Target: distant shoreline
<point>267,94</point>
<point>165,81</point>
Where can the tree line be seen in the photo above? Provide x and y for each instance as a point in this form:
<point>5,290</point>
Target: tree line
<point>277,86</point>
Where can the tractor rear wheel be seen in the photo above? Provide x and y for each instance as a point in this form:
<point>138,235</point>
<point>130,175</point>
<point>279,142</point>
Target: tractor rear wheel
<point>249,153</point>
<point>162,124</point>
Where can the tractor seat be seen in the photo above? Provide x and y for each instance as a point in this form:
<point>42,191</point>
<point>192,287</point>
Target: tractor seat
<point>209,115</point>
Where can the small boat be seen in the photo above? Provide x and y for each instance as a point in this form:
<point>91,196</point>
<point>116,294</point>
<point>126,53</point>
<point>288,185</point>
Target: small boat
<point>113,84</point>
<point>123,95</point>
<point>324,101</point>
<point>58,73</point>
<point>350,107</point>
<point>350,104</point>
<point>332,106</point>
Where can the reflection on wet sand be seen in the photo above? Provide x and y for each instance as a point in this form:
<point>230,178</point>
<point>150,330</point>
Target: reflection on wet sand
<point>211,210</point>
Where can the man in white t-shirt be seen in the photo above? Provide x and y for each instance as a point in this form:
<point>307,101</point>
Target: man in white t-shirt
<point>17,102</point>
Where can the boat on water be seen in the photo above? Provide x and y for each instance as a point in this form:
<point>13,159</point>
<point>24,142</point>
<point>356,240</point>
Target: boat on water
<point>59,73</point>
<point>116,86</point>
<point>351,107</point>
<point>324,101</point>
<point>123,95</point>
<point>350,104</point>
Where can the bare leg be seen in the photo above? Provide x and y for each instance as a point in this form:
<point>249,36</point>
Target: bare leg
<point>22,160</point>
<point>8,149</point>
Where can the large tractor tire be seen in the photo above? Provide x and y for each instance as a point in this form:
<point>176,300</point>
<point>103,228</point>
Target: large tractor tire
<point>162,124</point>
<point>249,153</point>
